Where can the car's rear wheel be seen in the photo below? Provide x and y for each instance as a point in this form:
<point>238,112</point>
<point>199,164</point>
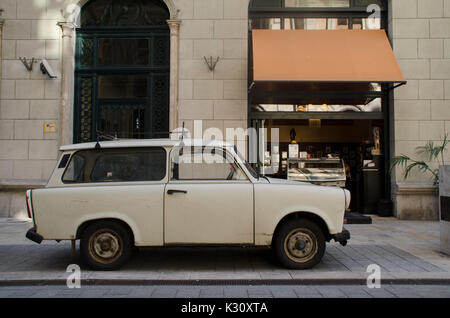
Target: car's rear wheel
<point>299,244</point>
<point>106,245</point>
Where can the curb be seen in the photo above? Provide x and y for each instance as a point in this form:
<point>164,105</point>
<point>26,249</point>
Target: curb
<point>224,282</point>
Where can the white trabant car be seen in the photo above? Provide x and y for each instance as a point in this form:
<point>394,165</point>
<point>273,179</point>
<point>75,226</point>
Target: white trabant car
<point>117,195</point>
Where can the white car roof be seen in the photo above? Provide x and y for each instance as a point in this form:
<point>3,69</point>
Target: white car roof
<point>133,143</point>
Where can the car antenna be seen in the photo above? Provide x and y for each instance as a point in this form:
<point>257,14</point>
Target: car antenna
<point>182,141</point>
<point>97,145</point>
<point>182,135</point>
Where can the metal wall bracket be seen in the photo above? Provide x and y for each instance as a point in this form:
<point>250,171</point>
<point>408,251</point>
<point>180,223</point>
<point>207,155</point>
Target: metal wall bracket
<point>28,64</point>
<point>211,63</point>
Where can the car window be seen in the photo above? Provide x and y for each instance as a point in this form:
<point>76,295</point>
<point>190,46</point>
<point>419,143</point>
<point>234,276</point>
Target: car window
<point>204,163</point>
<point>75,169</point>
<point>120,165</point>
<point>247,164</point>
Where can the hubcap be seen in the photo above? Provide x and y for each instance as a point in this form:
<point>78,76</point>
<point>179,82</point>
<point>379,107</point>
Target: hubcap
<point>300,245</point>
<point>105,246</point>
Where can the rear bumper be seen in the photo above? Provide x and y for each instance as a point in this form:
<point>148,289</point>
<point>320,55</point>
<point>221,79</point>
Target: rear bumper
<point>32,235</point>
<point>342,237</point>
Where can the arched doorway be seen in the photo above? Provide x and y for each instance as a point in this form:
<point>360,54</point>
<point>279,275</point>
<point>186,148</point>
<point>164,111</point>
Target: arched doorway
<point>122,66</point>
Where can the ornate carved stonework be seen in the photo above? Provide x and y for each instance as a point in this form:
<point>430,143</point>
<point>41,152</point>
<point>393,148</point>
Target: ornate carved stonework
<point>124,12</point>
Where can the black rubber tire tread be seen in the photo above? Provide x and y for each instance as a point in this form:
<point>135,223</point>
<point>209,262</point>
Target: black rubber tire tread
<point>126,242</point>
<point>280,237</point>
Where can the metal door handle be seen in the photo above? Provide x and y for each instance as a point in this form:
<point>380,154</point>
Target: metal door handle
<point>176,191</point>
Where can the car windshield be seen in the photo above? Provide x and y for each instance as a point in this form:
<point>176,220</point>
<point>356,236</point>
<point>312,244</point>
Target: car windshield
<point>247,164</point>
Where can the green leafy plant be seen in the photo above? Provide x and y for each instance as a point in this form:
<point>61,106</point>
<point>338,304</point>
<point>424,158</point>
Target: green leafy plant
<point>428,153</point>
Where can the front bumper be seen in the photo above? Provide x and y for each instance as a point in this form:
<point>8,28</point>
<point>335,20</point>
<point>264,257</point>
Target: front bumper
<point>32,235</point>
<point>342,237</point>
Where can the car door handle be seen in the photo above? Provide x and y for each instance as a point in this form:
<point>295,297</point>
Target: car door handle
<point>176,191</point>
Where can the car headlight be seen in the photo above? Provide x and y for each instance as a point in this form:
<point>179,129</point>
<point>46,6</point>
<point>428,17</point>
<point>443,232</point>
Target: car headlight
<point>348,198</point>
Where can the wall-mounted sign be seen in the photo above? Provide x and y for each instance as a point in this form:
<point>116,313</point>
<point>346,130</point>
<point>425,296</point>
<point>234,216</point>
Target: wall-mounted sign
<point>49,127</point>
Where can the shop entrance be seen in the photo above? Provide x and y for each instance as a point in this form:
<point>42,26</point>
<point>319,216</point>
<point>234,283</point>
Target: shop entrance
<point>322,73</point>
<point>349,153</point>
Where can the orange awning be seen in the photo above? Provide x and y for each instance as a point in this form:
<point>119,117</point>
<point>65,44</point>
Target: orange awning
<point>331,56</point>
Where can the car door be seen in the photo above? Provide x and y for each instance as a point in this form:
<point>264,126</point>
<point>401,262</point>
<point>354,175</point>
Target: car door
<point>208,200</point>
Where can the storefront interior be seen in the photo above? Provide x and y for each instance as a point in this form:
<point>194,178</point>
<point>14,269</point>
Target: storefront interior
<point>350,149</point>
<point>322,78</point>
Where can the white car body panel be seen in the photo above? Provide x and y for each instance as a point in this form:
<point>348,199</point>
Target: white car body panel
<point>273,201</point>
<point>209,213</point>
<point>225,212</point>
<point>62,210</point>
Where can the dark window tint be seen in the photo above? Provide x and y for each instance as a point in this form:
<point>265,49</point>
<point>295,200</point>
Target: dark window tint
<point>137,166</point>
<point>119,165</point>
<point>63,162</point>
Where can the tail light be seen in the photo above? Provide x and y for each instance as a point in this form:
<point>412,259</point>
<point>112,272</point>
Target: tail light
<point>28,199</point>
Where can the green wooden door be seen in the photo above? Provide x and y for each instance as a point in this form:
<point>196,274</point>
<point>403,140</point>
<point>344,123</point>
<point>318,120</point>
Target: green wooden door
<point>122,70</point>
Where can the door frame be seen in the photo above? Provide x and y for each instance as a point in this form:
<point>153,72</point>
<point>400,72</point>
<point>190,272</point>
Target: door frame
<point>94,70</point>
<point>249,181</point>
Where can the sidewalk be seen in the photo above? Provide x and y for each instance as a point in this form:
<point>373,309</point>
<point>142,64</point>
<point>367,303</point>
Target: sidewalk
<point>406,251</point>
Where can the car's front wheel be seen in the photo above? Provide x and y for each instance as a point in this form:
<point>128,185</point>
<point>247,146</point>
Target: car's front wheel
<point>106,245</point>
<point>299,244</point>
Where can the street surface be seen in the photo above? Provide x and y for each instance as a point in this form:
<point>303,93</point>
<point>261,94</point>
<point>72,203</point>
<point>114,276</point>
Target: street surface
<point>406,252</point>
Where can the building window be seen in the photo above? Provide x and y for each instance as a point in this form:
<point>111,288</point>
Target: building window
<point>317,3</point>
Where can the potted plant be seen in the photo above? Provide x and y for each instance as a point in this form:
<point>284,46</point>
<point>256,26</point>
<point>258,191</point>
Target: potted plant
<point>427,154</point>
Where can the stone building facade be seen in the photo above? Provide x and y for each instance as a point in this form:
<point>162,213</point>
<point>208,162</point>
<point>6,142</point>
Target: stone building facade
<point>419,31</point>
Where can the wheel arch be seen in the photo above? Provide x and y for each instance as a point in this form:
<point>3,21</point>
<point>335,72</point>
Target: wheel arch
<point>304,215</point>
<point>83,226</point>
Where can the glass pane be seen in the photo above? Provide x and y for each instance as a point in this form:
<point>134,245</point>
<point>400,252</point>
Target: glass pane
<point>366,24</point>
<point>266,23</point>
<point>123,121</point>
<point>273,4</point>
<point>317,170</point>
<point>366,3</point>
<point>122,86</point>
<point>317,3</point>
<point>315,23</point>
<point>372,106</point>
<point>123,51</point>
<point>148,165</point>
<point>206,164</point>
<point>75,168</point>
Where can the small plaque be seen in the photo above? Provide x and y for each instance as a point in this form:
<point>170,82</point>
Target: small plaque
<point>50,127</point>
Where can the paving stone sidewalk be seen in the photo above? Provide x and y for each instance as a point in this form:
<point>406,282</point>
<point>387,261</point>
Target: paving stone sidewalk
<point>404,250</point>
<point>258,292</point>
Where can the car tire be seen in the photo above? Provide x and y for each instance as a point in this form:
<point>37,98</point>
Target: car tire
<point>106,245</point>
<point>299,244</point>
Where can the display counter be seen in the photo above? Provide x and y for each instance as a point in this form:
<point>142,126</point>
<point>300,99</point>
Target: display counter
<point>327,172</point>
